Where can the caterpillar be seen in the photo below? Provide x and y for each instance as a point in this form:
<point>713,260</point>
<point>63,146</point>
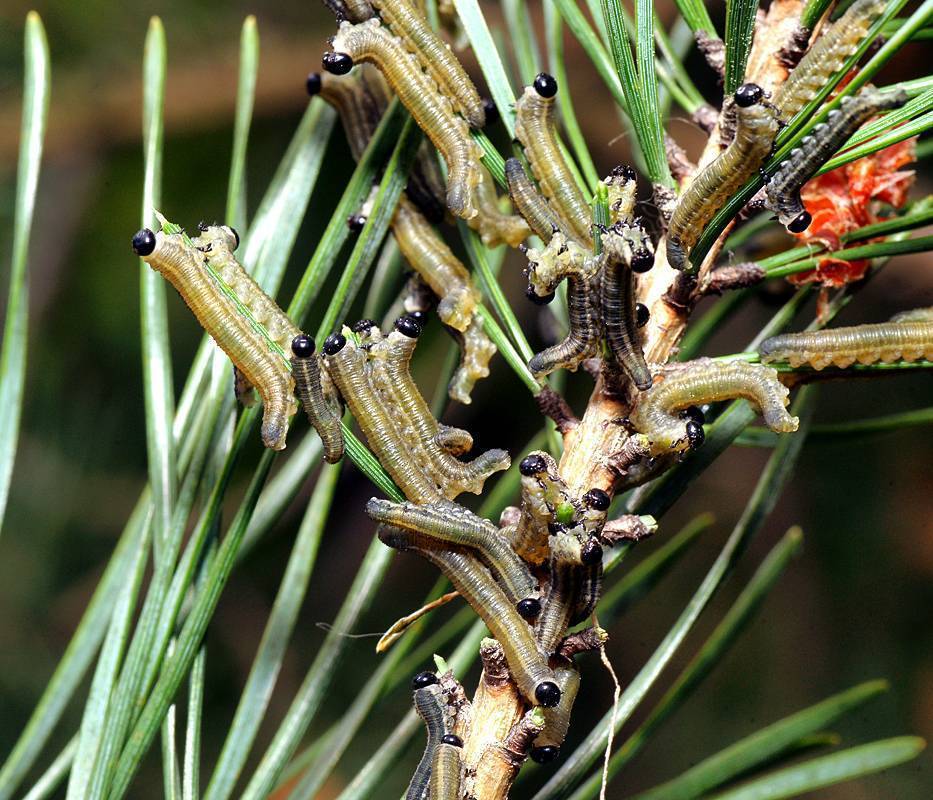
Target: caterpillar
<point>346,364</point>
<point>532,676</point>
<point>563,258</point>
<point>783,189</point>
<point>534,128</point>
<point>493,226</point>
<point>706,381</point>
<point>546,746</point>
<point>558,605</point>
<point>238,334</point>
<point>827,56</point>
<point>451,523</point>
<point>757,126</point>
<point>455,441</point>
<point>431,705</point>
<point>445,769</point>
<point>626,250</point>
<point>907,336</point>
<point>543,492</point>
<point>370,42</point>
<point>389,362</point>
<point>414,32</point>
<point>306,370</point>
<point>529,202</point>
<point>621,194</point>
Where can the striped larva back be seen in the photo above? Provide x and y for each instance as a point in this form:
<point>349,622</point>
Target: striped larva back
<point>754,136</point>
<point>182,264</point>
<point>409,24</point>
<point>529,202</point>
<point>626,249</point>
<point>431,705</point>
<point>706,381</point>
<point>360,100</point>
<point>306,370</point>
<point>804,161</point>
<point>557,720</point>
<point>445,769</point>
<point>452,524</point>
<point>907,338</point>
<point>559,602</point>
<point>827,56</point>
<point>543,492</point>
<point>370,42</point>
<point>534,128</point>
<point>528,666</point>
<point>493,226</point>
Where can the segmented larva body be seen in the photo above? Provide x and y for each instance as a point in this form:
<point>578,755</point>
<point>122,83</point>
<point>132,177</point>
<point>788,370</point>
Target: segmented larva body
<point>706,381</point>
<point>493,226</point>
<point>428,254</point>
<point>396,386</point>
<point>433,113</point>
<point>532,676</point>
<point>476,351</point>
<point>218,242</point>
<point>455,441</point>
<point>557,608</point>
<point>445,770</point>
<point>588,592</point>
<point>561,259</point>
<point>557,719</point>
<point>754,136</point>
<point>804,161</point>
<point>907,338</point>
<point>450,523</point>
<point>306,370</point>
<point>626,249</point>
<point>410,26</point>
<point>346,364</point>
<point>431,705</point>
<point>360,100</point>
<point>183,266</point>
<point>543,492</point>
<point>827,56</point>
<point>534,128</point>
<point>529,202</point>
<point>621,194</point>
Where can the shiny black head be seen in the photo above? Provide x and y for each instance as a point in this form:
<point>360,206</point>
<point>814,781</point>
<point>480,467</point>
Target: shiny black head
<point>236,237</point>
<point>545,754</point>
<point>694,413</point>
<point>313,83</point>
<point>532,465</point>
<point>407,326</point>
<point>642,260</point>
<point>334,343</point>
<point>547,693</point>
<point>624,171</point>
<point>303,346</point>
<point>453,739</point>
<point>144,242</point>
<point>545,85</point>
<point>592,552</point>
<point>423,679</point>
<point>491,111</point>
<point>421,317</point>
<point>337,63</point>
<point>363,325</point>
<point>528,608</point>
<point>800,223</point>
<point>695,434</point>
<point>355,222</point>
<point>537,299</point>
<point>597,499</point>
<point>642,315</point>
<point>748,94</point>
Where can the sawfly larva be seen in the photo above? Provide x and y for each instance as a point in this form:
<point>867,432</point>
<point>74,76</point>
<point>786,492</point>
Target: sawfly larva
<point>560,259</point>
<point>414,32</point>
<point>360,100</point>
<point>827,56</point>
<point>445,770</point>
<point>455,441</point>
<point>346,365</point>
<point>558,605</point>
<point>754,136</point>
<point>621,190</point>
<point>814,150</point>
<point>431,705</point>
<point>476,351</point>
<point>907,336</point>
<point>433,113</point>
<point>238,335</point>
<point>626,250</point>
<point>529,202</point>
<point>546,747</point>
<point>493,226</point>
<point>543,492</point>
<point>306,370</point>
<point>532,676</point>
<point>706,381</point>
<point>451,523</point>
<point>534,128</point>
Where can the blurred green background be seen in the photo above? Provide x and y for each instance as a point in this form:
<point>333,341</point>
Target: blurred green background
<point>856,605</point>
